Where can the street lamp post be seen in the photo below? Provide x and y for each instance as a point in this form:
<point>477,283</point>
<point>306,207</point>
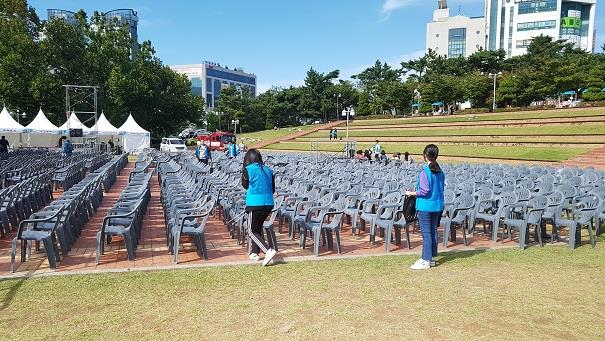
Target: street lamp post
<point>235,123</point>
<point>19,115</point>
<point>347,112</point>
<point>337,96</point>
<point>495,76</point>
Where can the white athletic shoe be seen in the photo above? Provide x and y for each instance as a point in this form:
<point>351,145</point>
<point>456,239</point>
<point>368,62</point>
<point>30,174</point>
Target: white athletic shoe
<point>254,256</point>
<point>433,263</point>
<point>421,264</point>
<point>269,256</point>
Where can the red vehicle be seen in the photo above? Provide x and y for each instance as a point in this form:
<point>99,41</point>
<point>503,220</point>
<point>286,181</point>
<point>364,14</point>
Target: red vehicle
<point>218,140</point>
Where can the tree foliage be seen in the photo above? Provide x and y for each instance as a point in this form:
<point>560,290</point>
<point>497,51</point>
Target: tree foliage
<point>37,59</point>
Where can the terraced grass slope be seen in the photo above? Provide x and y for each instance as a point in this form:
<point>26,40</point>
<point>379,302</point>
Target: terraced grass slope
<point>549,136</point>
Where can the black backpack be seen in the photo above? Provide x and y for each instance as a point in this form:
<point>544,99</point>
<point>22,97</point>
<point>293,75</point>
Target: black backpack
<point>409,209</point>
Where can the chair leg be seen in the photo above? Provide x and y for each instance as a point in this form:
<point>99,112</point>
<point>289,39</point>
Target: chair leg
<point>522,235</point>
<point>50,252</point>
<point>203,245</point>
<point>572,236</point>
<point>463,228</point>
<point>316,237</point>
<point>13,253</point>
<point>99,246</point>
<point>446,233</point>
<point>175,260</point>
<point>388,234</point>
<point>337,233</point>
<point>590,233</point>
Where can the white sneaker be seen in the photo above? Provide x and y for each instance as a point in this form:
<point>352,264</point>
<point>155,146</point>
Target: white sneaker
<point>433,263</point>
<point>421,264</point>
<point>254,256</point>
<point>269,256</point>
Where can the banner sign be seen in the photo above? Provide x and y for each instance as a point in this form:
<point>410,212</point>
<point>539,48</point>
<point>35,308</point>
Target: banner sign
<point>569,22</point>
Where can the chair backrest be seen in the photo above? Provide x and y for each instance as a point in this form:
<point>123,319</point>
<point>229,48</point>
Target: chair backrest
<point>537,206</point>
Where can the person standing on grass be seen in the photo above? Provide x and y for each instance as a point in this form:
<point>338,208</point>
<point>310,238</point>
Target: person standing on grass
<point>259,182</point>
<point>335,134</point>
<point>430,202</point>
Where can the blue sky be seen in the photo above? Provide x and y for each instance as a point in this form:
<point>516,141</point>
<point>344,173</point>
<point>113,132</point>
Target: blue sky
<point>279,40</point>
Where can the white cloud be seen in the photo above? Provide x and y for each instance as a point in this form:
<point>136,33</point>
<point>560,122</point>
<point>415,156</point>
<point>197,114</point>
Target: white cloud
<point>390,5</point>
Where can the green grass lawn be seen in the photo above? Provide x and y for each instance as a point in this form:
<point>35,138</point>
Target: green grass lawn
<point>271,134</point>
<point>455,131</point>
<point>526,115</point>
<point>540,293</point>
<point>516,152</point>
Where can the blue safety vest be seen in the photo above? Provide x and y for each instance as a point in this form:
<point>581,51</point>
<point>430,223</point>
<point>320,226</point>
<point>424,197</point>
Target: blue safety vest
<point>260,185</point>
<point>434,201</point>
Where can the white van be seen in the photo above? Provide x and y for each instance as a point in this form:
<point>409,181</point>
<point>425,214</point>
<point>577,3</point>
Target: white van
<point>172,145</point>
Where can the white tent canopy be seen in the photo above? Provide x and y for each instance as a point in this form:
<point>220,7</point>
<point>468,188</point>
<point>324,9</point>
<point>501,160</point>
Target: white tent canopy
<point>134,137</point>
<point>8,124</point>
<point>74,123</point>
<point>104,127</point>
<point>11,129</point>
<point>41,131</point>
<point>41,124</point>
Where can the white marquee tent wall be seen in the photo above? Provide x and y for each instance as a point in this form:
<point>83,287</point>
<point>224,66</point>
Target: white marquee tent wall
<point>134,138</point>
<point>42,133</point>
<point>105,130</point>
<point>12,130</point>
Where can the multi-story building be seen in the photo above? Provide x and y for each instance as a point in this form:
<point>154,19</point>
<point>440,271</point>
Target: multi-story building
<point>457,36</point>
<point>208,79</point>
<point>119,17</point>
<point>512,24</point>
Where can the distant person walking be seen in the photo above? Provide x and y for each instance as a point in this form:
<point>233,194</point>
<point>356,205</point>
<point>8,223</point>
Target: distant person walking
<point>331,133</point>
<point>4,145</point>
<point>430,200</point>
<point>377,149</point>
<point>111,146</point>
<point>202,152</point>
<point>68,148</point>
<point>335,134</point>
<point>259,182</point>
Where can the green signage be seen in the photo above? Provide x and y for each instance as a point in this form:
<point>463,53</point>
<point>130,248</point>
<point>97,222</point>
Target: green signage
<point>570,22</point>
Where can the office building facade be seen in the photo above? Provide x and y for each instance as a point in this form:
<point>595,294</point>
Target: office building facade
<point>512,24</point>
<point>119,17</point>
<point>209,78</point>
<point>457,36</point>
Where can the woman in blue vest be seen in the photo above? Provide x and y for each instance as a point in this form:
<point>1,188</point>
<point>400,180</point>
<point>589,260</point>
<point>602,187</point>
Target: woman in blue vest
<point>259,181</point>
<point>429,204</point>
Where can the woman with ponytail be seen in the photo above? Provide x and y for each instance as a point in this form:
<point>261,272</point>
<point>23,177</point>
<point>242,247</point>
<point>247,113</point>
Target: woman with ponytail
<point>429,204</point>
<point>259,182</point>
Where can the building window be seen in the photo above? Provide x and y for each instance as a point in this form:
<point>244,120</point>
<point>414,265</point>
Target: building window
<point>456,46</point>
<point>536,25</point>
<point>209,100</point>
<point>523,44</point>
<point>196,86</point>
<point>537,6</point>
<point>493,24</point>
<point>502,26</point>
<point>208,84</point>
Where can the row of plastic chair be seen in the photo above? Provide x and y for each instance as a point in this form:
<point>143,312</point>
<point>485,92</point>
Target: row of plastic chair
<point>184,188</point>
<point>58,225</point>
<point>125,218</point>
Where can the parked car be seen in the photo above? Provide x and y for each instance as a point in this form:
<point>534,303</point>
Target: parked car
<point>172,145</point>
